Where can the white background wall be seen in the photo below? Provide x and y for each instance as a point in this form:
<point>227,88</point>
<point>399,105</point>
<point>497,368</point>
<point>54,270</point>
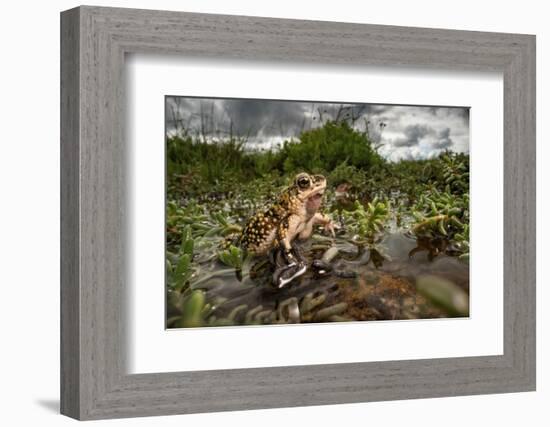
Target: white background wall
<point>29,214</point>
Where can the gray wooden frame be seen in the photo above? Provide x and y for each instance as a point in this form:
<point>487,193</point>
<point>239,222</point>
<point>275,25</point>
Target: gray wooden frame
<point>94,41</point>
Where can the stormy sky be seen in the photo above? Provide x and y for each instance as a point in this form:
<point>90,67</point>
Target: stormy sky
<point>400,132</point>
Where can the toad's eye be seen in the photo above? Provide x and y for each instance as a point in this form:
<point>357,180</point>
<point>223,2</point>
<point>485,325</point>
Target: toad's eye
<point>303,182</point>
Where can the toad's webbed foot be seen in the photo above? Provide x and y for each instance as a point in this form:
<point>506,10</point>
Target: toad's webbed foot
<point>285,275</point>
<point>288,266</point>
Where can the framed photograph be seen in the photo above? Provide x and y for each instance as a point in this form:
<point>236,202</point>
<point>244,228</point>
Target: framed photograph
<point>285,212</point>
<point>262,213</point>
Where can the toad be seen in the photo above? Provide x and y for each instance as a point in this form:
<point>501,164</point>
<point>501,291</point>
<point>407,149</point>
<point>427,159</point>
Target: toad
<point>293,215</point>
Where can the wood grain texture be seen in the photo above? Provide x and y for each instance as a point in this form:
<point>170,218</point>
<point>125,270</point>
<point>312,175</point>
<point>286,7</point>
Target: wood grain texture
<point>94,234</point>
<point>70,292</point>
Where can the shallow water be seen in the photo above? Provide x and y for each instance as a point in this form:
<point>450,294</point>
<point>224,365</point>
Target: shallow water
<point>352,283</point>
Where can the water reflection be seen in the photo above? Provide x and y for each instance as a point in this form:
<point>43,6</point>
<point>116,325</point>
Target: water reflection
<point>344,282</point>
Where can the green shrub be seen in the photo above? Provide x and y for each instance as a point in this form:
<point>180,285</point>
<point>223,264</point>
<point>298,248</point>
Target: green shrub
<point>324,148</point>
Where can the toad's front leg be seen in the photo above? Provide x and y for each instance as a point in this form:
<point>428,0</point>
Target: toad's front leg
<point>316,219</point>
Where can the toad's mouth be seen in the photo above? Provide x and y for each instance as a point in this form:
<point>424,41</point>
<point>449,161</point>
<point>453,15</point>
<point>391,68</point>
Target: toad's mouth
<point>313,202</point>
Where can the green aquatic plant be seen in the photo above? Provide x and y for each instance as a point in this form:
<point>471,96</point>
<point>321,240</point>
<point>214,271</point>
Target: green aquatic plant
<point>367,223</point>
<point>462,240</point>
<point>200,224</point>
<point>440,213</point>
<point>179,267</point>
<point>442,217</point>
<point>189,309</point>
<point>445,294</point>
<point>220,225</point>
<point>456,172</point>
<point>193,310</point>
<point>178,218</point>
<point>232,257</point>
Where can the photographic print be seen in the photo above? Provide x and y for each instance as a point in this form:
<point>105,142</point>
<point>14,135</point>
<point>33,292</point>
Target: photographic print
<point>285,212</point>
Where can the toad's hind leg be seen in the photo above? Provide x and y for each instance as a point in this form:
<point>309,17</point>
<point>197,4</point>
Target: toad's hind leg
<point>287,231</point>
<point>294,264</point>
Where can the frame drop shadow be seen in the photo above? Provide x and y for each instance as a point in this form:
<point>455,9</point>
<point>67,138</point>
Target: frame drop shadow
<point>52,405</point>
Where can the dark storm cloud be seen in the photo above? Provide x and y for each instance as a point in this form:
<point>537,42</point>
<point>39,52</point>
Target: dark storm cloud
<point>268,117</point>
<point>433,110</point>
<point>252,117</point>
<point>243,118</point>
<point>377,109</point>
<point>450,112</point>
<point>413,135</point>
<point>443,139</point>
<point>399,132</point>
